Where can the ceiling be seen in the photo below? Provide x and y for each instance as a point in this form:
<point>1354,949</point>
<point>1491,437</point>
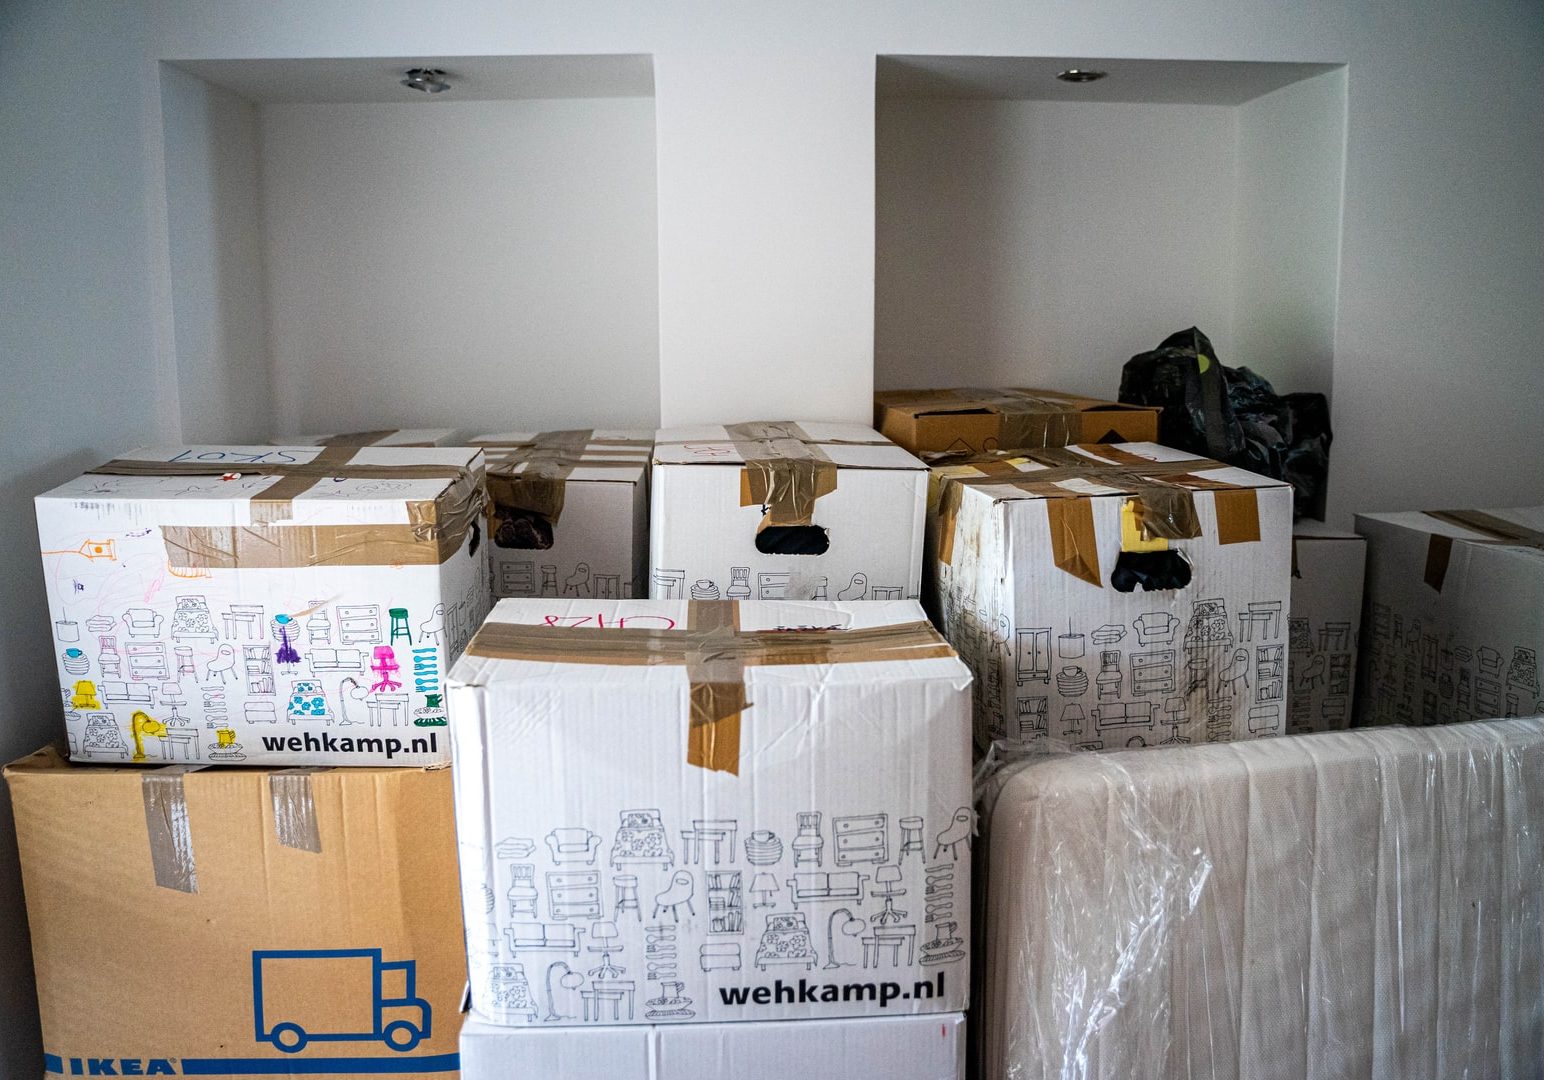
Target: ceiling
<point>1023,78</point>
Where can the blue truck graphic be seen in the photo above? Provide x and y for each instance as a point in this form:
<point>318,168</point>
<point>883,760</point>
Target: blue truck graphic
<point>296,999</point>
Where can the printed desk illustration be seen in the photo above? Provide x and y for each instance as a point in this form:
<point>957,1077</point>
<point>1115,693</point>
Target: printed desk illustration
<point>638,924</point>
<point>327,664</point>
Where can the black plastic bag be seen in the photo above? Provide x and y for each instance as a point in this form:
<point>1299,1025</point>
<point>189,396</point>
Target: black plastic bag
<point>1233,415</point>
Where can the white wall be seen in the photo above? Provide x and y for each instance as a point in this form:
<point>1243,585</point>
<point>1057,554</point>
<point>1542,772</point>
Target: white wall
<point>219,302</point>
<point>1033,243</point>
<point>484,265</point>
<point>766,223</point>
<point>1286,244</point>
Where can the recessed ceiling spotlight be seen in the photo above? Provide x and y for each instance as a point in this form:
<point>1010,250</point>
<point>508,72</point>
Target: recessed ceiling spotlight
<point>429,80</point>
<point>1081,75</point>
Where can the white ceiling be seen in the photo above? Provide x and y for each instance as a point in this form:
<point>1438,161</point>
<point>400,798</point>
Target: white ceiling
<point>355,80</point>
<point>1026,78</point>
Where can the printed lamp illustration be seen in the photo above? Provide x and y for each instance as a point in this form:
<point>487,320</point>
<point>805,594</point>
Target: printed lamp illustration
<point>372,1000</point>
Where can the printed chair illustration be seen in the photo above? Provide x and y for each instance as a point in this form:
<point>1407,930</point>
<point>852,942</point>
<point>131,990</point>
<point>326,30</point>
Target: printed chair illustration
<point>605,939</point>
<point>678,894</point>
<point>577,845</point>
<point>143,622</point>
<point>957,832</point>
<point>808,844</point>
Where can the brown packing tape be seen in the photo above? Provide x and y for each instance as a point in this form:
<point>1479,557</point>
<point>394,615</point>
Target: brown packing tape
<point>167,829</point>
<point>435,531</point>
<point>294,809</point>
<point>785,471</point>
<point>716,679</point>
<point>715,654</point>
<point>1439,549</point>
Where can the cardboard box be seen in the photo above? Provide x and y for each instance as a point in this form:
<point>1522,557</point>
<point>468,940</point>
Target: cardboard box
<point>1326,619</point>
<point>785,511</point>
<point>569,513</point>
<point>264,605</point>
<point>891,1047</point>
<point>1347,904</point>
<point>1453,630</point>
<point>385,437</point>
<point>705,811</point>
<point>241,921</point>
<point>1113,596</point>
<point>1008,418</point>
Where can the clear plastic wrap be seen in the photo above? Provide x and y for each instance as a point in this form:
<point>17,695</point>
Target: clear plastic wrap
<point>1350,904</point>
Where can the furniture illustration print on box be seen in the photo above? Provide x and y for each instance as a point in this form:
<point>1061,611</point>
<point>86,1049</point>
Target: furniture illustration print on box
<point>719,834</point>
<point>786,940</point>
<point>573,894</point>
<point>813,886</point>
<point>861,839</point>
<point>542,937</point>
<point>576,845</point>
<point>726,903</point>
<point>640,841</point>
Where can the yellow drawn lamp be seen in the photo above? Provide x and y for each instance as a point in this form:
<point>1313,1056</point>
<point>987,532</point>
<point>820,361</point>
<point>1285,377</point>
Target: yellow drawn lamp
<point>715,653</point>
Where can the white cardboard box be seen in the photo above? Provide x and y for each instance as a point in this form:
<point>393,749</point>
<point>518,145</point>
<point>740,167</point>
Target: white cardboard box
<point>264,605</point>
<point>712,811</point>
<point>723,494</point>
<point>867,1048</point>
<point>1455,616</point>
<point>383,437</point>
<point>1027,555</point>
<point>1326,619</point>
<point>569,513</point>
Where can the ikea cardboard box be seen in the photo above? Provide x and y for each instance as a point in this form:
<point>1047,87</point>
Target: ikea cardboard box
<point>264,605</point>
<point>198,921</point>
<point>1007,418</point>
<point>710,811</point>
<point>785,511</point>
<point>893,1048</point>
<point>568,513</point>
<point>1455,615</point>
<point>1114,596</point>
<point>1322,632</point>
<point>383,437</point>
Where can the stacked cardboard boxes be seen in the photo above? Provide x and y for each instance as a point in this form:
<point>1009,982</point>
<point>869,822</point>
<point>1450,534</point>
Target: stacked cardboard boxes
<point>706,813</point>
<point>1115,595</point>
<point>1454,627</point>
<point>959,421</point>
<point>785,511</point>
<point>568,513</point>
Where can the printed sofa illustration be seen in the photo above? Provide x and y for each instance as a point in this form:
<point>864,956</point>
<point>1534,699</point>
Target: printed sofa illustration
<point>573,845</point>
<point>838,885</point>
<point>540,936</point>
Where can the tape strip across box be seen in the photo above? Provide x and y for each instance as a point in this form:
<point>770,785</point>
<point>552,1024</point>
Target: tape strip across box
<point>264,605</point>
<point>703,811</point>
<point>1114,596</point>
<point>568,513</point>
<point>785,511</point>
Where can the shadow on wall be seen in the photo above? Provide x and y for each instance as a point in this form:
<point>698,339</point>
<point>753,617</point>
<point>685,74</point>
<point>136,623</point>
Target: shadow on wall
<point>29,687</point>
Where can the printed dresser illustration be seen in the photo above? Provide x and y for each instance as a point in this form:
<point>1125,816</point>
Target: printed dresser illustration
<point>723,832</point>
<point>261,605</point>
<point>1113,596</point>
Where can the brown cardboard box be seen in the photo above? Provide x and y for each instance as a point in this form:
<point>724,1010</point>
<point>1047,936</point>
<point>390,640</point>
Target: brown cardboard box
<point>228,921</point>
<point>974,420</point>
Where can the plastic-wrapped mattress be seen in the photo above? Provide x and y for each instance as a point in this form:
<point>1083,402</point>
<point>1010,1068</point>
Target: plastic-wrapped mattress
<point>1352,904</point>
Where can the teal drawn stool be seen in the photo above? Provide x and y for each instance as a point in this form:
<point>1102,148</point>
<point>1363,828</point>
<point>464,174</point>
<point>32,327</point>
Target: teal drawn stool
<point>399,625</point>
